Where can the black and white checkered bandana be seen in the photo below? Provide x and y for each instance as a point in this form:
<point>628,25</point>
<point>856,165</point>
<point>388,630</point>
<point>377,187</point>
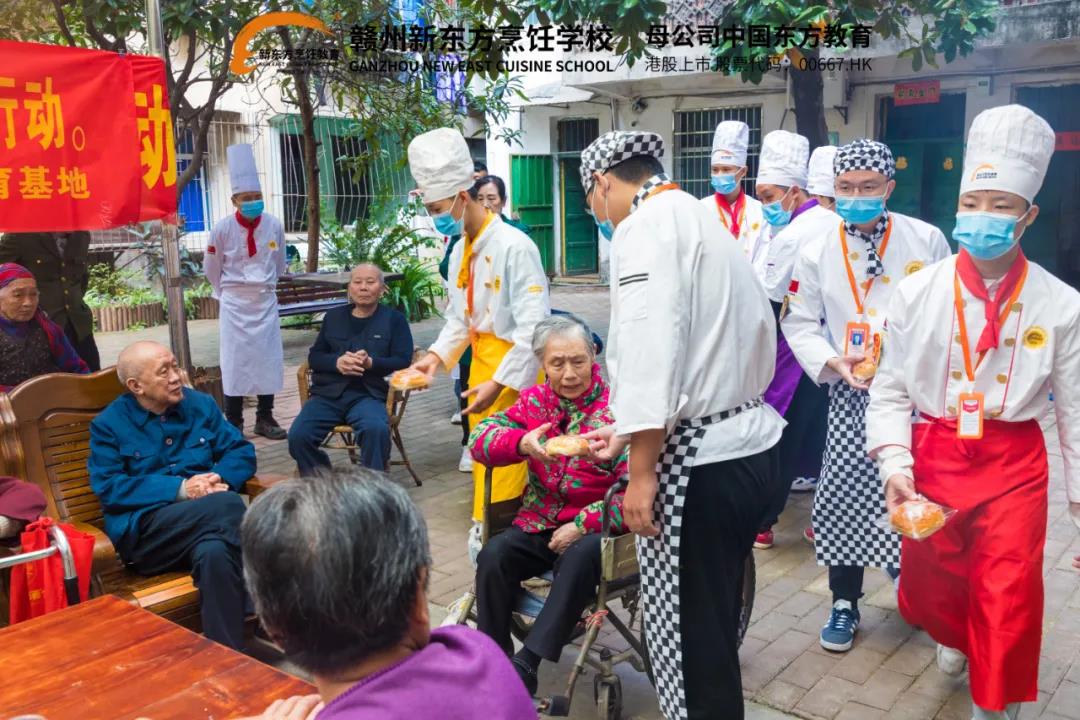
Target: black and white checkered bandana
<point>871,241</point>
<point>614,147</point>
<point>654,182</point>
<point>864,154</point>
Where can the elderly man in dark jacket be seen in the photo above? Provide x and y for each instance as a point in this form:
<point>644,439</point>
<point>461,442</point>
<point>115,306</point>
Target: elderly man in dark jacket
<point>59,262</point>
<point>167,468</point>
<point>358,346</point>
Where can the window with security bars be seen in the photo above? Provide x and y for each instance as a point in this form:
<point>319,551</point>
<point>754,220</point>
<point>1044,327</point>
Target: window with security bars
<point>694,131</point>
<point>349,195</point>
<point>575,135</point>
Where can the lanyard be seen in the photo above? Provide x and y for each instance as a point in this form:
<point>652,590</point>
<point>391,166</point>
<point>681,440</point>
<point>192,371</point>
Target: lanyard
<point>659,189</point>
<point>860,302</point>
<point>467,265</point>
<point>739,209</point>
<point>962,323</point>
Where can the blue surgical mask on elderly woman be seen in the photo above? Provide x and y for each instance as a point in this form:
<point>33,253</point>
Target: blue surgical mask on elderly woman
<point>445,222</point>
<point>986,235</point>
<point>858,210</point>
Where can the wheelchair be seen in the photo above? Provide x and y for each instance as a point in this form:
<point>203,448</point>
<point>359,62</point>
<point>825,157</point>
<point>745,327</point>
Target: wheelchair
<point>620,581</point>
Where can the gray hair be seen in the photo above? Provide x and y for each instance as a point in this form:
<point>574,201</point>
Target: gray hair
<point>563,325</point>
<point>382,273</point>
<point>334,564</point>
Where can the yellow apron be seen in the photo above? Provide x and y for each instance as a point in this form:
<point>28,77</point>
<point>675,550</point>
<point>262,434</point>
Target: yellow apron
<point>507,482</point>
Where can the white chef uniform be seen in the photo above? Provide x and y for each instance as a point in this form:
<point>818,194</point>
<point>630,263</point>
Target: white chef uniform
<point>691,347</point>
<point>730,145</point>
<point>977,585</point>
<point>252,361</point>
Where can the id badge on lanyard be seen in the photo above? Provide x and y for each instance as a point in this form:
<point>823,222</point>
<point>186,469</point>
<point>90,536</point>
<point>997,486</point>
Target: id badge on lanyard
<point>969,420</point>
<point>856,339</point>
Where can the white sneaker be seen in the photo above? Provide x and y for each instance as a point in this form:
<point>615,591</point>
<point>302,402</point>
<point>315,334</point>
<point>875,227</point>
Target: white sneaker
<point>1011,712</point>
<point>949,661</point>
<point>804,484</point>
<point>466,462</point>
<point>455,419</point>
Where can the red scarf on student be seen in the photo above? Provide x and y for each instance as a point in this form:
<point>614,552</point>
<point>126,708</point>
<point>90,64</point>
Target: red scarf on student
<point>732,210</point>
<point>973,281</point>
<point>250,226</point>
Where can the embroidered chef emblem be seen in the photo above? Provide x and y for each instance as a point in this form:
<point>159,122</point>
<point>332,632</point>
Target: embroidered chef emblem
<point>1034,338</point>
<point>755,226</point>
<point>498,282</point>
<point>272,245</point>
<point>535,289</point>
<point>913,267</point>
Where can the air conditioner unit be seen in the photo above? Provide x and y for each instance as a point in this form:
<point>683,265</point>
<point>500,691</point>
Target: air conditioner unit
<point>834,90</point>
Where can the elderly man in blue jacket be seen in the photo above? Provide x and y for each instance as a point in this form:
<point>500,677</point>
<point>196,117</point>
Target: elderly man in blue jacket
<point>167,468</point>
<point>357,347</point>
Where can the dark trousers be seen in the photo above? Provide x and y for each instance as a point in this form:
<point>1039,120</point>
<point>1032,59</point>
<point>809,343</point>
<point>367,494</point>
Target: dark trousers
<point>514,556</point>
<point>202,535</point>
<point>802,445</point>
<point>234,408</point>
<point>725,504</point>
<point>86,348</point>
<point>459,387</point>
<point>367,416</point>
<point>845,582</point>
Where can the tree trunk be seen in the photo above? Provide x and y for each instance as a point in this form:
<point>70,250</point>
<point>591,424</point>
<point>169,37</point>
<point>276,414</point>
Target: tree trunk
<point>807,91</point>
<point>302,87</point>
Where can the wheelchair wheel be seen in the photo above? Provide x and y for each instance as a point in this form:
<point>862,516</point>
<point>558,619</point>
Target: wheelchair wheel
<point>607,693</point>
<point>749,583</point>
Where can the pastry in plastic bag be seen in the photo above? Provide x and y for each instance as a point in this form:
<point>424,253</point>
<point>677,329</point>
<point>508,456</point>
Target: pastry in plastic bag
<point>918,519</point>
<point>409,379</point>
<point>567,446</point>
<point>867,368</point>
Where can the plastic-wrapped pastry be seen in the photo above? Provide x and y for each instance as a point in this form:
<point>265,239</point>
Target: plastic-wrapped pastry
<point>919,519</point>
<point>409,379</point>
<point>567,445</point>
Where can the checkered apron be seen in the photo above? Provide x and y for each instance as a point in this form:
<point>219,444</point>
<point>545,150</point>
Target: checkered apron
<point>849,496</point>
<point>659,559</point>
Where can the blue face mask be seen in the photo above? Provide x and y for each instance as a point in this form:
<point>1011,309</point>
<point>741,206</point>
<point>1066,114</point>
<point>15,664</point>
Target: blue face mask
<point>859,210</point>
<point>775,214</point>
<point>251,209</point>
<point>446,224</point>
<point>985,235</point>
<point>724,183</point>
<point>607,228</point>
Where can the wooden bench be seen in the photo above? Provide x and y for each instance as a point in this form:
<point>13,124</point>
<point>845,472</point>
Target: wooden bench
<point>300,298</point>
<point>45,438</point>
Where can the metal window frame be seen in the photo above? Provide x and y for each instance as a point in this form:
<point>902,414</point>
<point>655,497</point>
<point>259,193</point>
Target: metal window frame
<point>700,186</point>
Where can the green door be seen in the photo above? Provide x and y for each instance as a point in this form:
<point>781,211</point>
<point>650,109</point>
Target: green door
<point>1053,241</point>
<point>533,201</point>
<point>943,164</point>
<point>906,198</point>
<point>580,251</point>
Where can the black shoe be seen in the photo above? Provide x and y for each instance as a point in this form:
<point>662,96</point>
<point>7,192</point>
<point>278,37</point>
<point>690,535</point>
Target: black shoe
<point>237,423</point>
<point>269,429</point>
<point>527,675</point>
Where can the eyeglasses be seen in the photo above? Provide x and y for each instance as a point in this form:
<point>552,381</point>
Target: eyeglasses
<point>871,187</point>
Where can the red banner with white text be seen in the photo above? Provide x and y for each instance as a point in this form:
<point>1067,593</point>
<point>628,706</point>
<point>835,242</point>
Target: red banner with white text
<point>86,139</point>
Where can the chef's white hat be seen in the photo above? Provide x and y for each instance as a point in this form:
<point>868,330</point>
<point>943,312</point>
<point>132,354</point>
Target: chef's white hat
<point>242,173</point>
<point>729,143</point>
<point>820,173</point>
<point>1008,148</point>
<point>441,164</point>
<point>783,159</point>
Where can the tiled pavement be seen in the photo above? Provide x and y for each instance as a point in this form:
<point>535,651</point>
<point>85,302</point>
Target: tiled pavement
<point>890,673</point>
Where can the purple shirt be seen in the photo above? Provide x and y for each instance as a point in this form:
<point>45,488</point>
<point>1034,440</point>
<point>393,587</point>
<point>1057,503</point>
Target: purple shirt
<point>461,675</point>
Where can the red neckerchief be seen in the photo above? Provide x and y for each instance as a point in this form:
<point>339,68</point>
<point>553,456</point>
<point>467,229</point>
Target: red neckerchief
<point>250,225</point>
<point>975,285</point>
<point>733,210</point>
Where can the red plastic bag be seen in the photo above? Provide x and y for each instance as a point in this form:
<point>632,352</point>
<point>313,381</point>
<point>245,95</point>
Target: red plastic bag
<point>37,587</point>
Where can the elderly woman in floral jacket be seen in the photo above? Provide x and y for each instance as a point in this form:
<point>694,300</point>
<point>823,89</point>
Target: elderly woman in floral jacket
<point>558,525</point>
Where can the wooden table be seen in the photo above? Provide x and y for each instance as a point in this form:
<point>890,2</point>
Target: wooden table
<point>108,660</point>
<point>337,279</point>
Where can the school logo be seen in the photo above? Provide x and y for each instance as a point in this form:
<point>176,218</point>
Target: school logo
<point>273,244</point>
<point>241,54</point>
<point>1034,338</point>
<point>913,267</point>
<point>986,171</point>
